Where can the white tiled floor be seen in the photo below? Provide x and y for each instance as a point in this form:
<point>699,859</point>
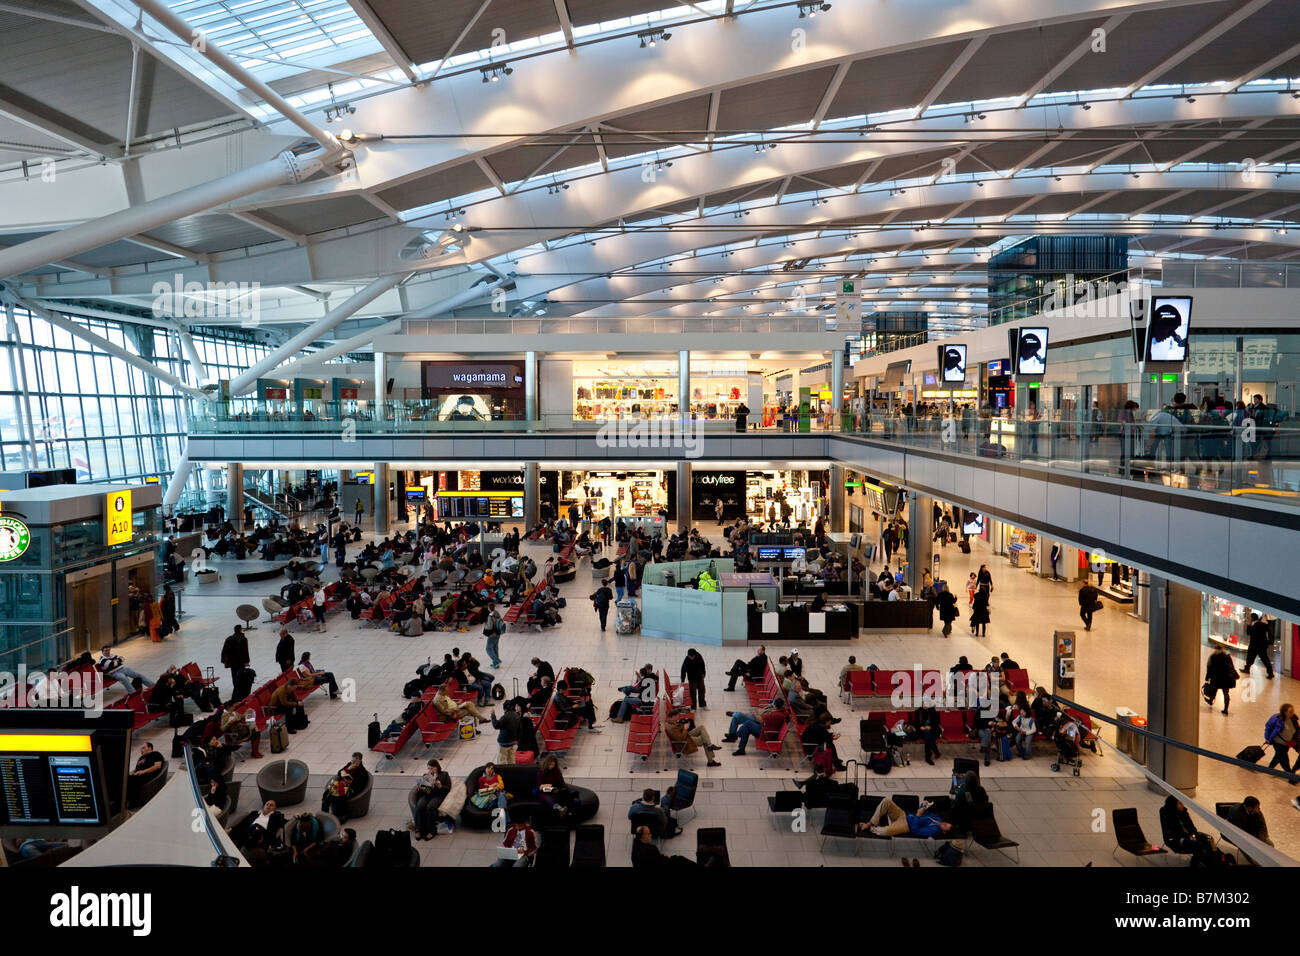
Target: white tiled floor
<point>1051,815</point>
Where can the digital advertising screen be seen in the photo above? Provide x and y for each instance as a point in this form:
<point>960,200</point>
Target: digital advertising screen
<point>1168,325</point>
<point>953,363</point>
<point>1031,352</point>
<point>972,522</point>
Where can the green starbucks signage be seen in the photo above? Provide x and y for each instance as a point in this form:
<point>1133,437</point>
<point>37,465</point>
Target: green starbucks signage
<point>14,538</point>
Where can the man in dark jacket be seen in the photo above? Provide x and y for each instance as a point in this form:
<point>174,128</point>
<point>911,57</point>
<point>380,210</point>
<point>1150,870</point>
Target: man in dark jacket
<point>693,674</point>
<point>234,657</point>
<point>284,651</point>
<point>601,599</point>
<point>1260,640</point>
<point>946,602</point>
<point>1088,601</point>
<point>1220,675</point>
<point>753,670</point>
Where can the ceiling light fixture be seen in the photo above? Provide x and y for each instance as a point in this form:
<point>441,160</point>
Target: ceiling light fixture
<point>810,8</point>
<point>493,74</point>
<point>648,37</point>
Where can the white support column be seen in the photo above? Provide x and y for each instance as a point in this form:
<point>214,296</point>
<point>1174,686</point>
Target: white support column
<point>837,391</point>
<point>179,477</point>
<point>382,509</point>
<point>246,380</point>
<point>530,386</point>
<point>235,495</point>
<point>191,351</point>
<point>684,385</point>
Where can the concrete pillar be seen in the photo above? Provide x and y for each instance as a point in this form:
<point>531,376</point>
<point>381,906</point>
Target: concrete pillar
<point>382,510</point>
<point>381,383</point>
<point>683,495</point>
<point>683,386</point>
<point>530,386</point>
<point>837,391</point>
<point>532,495</point>
<point>235,495</point>
<point>835,493</point>
<point>920,538</point>
<point>1174,680</point>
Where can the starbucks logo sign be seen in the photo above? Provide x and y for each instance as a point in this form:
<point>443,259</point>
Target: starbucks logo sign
<point>14,538</point>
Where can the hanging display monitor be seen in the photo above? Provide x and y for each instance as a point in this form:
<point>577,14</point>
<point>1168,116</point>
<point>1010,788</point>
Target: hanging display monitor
<point>952,364</point>
<point>972,522</point>
<point>1168,324</point>
<point>1031,352</point>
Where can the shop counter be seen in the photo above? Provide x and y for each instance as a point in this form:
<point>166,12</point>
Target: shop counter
<point>795,623</point>
<point>897,614</point>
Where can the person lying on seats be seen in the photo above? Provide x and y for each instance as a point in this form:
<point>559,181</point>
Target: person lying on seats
<point>891,820</point>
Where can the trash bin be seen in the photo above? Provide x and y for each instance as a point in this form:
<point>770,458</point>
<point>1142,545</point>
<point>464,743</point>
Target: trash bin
<point>670,579</point>
<point>1124,737</point>
<point>1139,752</point>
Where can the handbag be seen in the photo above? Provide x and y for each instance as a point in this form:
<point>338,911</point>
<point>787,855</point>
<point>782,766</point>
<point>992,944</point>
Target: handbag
<point>279,735</point>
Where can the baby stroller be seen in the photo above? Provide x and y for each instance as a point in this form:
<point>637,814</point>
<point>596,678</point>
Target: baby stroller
<point>1073,733</point>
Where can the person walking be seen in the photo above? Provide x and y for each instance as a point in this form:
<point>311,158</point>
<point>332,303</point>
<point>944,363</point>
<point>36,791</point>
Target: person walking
<point>979,616</point>
<point>1283,734</point>
<point>1089,603</point>
<point>493,628</point>
<point>618,579</point>
<point>718,508</point>
<point>318,607</point>
<point>601,600</point>
<point>234,657</point>
<point>167,604</point>
<point>693,675</point>
<point>1220,675</point>
<point>1259,644</point>
<point>284,651</point>
<point>632,574</point>
<point>947,604</point>
<point>360,511</point>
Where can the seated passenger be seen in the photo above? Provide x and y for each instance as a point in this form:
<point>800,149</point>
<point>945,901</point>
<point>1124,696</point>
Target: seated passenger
<point>445,705</point>
<point>651,807</point>
<point>490,789</point>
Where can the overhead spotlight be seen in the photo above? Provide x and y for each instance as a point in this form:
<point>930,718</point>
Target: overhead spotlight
<point>1057,178</point>
<point>980,115</point>
<point>493,74</point>
<point>1190,99</point>
<point>648,37</point>
<point>1295,94</point>
<point>762,147</point>
<point>555,188</point>
<point>810,8</point>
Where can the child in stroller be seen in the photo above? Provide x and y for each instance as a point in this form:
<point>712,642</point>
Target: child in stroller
<point>1071,735</point>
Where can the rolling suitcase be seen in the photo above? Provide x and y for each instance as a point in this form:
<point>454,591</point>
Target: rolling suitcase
<point>374,733</point>
<point>279,734</point>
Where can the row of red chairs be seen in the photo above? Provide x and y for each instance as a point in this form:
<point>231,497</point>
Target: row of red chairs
<point>381,611</point>
<point>643,730</point>
<point>880,683</point>
<point>555,739</point>
<point>518,613</point>
<point>335,595</point>
<point>260,699</point>
<point>428,722</point>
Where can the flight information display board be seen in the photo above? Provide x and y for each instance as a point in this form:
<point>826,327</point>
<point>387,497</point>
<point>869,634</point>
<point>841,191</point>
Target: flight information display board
<point>63,772</point>
<point>59,789</point>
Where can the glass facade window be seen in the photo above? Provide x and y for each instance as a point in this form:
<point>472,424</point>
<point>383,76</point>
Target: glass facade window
<point>96,412</point>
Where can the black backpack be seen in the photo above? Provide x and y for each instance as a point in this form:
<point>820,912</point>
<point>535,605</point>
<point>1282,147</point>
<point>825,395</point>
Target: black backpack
<point>392,847</point>
<point>411,709</point>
